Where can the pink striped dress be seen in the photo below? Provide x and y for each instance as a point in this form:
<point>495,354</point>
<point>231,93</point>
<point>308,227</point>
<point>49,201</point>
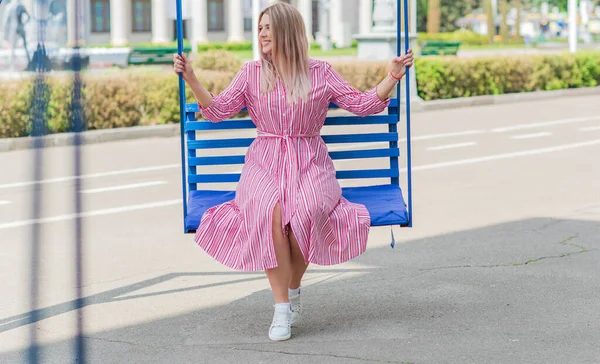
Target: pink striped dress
<point>288,163</point>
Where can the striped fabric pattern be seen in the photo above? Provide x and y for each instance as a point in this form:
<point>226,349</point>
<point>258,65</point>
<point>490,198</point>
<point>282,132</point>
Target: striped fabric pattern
<point>288,163</point>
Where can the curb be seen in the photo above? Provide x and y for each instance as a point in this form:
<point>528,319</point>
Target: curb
<point>92,137</point>
<point>172,130</point>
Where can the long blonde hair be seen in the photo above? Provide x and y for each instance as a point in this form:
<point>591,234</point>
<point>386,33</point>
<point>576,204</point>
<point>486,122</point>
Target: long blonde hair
<point>289,58</point>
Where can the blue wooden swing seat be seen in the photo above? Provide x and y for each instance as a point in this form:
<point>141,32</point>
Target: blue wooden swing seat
<point>384,201</point>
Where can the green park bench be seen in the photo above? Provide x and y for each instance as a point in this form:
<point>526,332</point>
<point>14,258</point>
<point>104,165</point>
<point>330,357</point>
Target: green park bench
<point>439,47</point>
<point>153,55</point>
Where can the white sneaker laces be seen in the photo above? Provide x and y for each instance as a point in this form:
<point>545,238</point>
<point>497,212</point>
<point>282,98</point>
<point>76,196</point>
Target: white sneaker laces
<point>281,320</point>
<point>295,301</point>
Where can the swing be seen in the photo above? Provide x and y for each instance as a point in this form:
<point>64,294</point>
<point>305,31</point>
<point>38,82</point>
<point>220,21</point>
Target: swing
<point>385,202</point>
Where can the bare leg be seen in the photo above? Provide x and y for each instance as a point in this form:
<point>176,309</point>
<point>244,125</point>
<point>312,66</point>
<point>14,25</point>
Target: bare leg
<point>298,265</point>
<point>279,277</point>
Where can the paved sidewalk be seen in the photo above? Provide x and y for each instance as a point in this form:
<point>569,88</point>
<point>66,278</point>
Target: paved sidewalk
<point>501,265</point>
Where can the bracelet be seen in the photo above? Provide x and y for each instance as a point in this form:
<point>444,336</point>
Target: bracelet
<point>394,77</point>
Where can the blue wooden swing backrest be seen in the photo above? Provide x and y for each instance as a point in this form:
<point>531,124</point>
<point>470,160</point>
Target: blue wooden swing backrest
<point>392,152</point>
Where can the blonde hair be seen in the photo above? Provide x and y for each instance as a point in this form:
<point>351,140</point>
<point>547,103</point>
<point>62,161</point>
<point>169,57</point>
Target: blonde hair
<point>289,58</point>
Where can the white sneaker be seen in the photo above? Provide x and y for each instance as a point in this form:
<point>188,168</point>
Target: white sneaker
<point>296,304</point>
<point>280,327</point>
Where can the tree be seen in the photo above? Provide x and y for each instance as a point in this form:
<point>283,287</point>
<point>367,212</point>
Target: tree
<point>433,16</point>
<point>449,12</point>
<point>491,24</point>
<point>519,6</point>
<point>422,10</point>
<point>503,5</point>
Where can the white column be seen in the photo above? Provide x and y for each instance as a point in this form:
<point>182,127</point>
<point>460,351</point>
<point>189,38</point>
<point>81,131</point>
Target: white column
<point>235,26</point>
<point>413,16</point>
<point>87,22</point>
<point>365,14</point>
<point>256,8</point>
<point>335,20</point>
<point>199,23</point>
<point>120,22</point>
<point>160,22</point>
<point>305,8</point>
<point>71,21</point>
<point>572,6</point>
<point>77,22</point>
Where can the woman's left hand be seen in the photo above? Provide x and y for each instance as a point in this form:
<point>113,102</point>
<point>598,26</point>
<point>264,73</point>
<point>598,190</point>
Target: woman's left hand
<point>400,64</point>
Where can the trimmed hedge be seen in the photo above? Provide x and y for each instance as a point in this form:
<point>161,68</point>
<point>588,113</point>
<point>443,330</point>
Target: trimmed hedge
<point>451,77</point>
<point>133,98</point>
<point>15,108</point>
<point>108,101</point>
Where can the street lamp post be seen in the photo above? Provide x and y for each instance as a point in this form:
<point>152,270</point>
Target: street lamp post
<point>573,26</point>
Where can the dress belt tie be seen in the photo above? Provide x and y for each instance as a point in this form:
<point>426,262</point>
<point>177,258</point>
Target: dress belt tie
<point>290,165</point>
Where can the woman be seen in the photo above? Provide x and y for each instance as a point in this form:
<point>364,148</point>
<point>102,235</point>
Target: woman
<point>288,210</point>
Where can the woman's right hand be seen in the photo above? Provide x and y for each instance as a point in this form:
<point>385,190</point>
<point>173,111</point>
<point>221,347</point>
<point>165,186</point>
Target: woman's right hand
<point>182,65</point>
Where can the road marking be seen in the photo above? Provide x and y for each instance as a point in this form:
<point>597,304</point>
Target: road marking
<point>115,210</point>
<point>416,168</point>
<point>357,146</point>
<point>445,135</point>
<point>590,128</point>
<point>92,175</point>
<point>488,158</point>
<point>452,146</point>
<point>4,202</point>
<point>124,187</point>
<point>544,123</point>
<point>531,136</point>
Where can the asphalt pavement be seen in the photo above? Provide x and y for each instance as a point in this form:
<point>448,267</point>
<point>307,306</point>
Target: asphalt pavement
<point>501,266</point>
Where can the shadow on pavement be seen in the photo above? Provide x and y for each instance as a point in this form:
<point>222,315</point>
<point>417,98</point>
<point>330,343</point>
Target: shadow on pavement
<point>522,291</point>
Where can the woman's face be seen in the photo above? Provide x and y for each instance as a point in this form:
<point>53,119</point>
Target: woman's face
<point>264,34</point>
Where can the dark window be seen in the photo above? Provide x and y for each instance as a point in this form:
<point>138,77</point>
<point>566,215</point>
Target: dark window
<point>216,15</point>
<point>141,12</point>
<point>247,15</point>
<point>100,16</point>
<point>315,17</point>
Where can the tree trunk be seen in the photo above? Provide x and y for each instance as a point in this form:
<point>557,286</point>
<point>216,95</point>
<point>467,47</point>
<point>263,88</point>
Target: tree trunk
<point>519,7</point>
<point>503,5</point>
<point>433,16</point>
<point>490,20</point>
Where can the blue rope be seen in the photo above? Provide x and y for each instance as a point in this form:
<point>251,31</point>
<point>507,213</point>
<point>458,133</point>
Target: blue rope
<point>182,117</point>
<point>38,114</point>
<point>78,126</point>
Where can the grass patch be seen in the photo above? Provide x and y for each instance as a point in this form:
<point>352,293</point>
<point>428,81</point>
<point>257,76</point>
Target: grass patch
<point>247,54</point>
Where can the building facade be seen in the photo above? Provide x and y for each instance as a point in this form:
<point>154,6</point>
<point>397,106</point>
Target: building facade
<point>121,22</point>
<point>128,22</point>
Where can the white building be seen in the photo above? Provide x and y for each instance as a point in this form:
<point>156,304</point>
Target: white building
<point>127,22</point>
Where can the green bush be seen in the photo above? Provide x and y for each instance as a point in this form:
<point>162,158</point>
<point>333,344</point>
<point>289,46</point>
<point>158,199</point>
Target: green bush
<point>218,60</point>
<point>450,77</point>
<point>362,75</point>
<point>15,108</point>
<point>130,98</point>
<point>59,105</point>
<point>161,94</point>
<point>112,102</point>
